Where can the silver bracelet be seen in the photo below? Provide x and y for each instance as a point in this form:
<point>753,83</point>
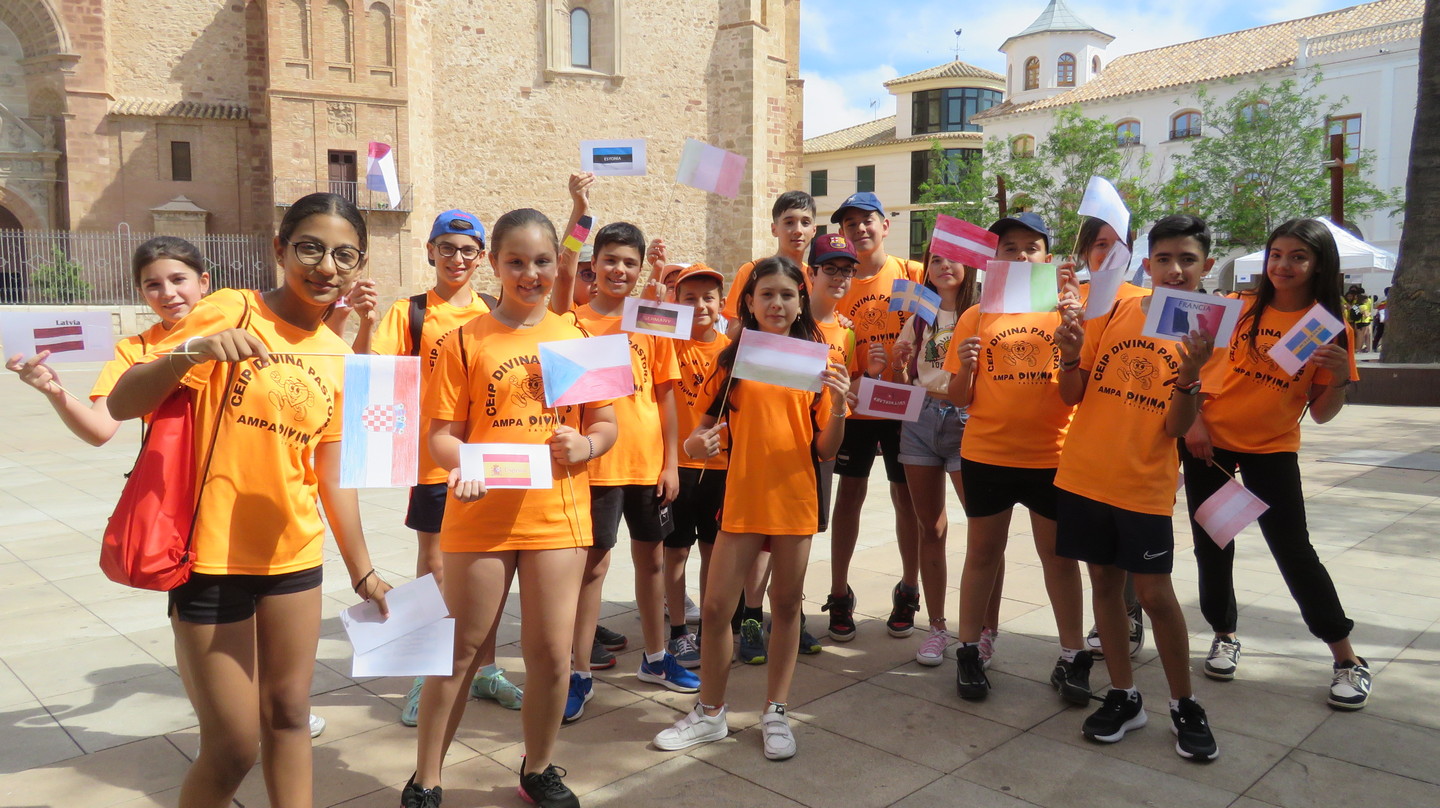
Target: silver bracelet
<point>592,449</point>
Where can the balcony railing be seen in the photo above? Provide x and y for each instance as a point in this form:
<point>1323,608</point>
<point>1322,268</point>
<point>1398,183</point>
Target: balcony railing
<point>289,190</point>
<point>1127,140</point>
<point>1180,134</point>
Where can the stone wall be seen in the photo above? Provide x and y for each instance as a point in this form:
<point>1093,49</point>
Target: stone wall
<point>177,50</point>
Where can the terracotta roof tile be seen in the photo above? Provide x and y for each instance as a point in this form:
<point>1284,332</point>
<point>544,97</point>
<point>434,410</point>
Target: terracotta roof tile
<point>155,108</point>
<point>957,70</point>
<point>881,132</point>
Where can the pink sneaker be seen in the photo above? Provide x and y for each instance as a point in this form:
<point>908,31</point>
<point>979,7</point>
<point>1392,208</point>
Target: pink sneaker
<point>987,646</point>
<point>932,651</point>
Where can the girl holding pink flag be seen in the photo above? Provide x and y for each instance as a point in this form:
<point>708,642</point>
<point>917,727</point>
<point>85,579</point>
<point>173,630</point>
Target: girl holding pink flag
<point>1250,422</point>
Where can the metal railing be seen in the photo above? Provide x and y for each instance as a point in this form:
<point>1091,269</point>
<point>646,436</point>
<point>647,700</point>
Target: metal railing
<point>61,267</point>
<point>1177,134</point>
<point>287,190</point>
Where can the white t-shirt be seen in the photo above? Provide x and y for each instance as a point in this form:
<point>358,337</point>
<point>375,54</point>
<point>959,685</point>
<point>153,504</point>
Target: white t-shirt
<point>930,360</point>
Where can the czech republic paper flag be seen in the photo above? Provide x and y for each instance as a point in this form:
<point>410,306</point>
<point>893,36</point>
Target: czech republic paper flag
<point>590,369</point>
<point>380,438</point>
<point>380,173</point>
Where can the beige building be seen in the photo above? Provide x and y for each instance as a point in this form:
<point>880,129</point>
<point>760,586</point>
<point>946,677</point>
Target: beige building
<point>210,116</point>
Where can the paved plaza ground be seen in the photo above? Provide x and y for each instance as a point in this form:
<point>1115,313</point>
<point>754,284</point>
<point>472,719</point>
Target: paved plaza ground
<point>92,712</point>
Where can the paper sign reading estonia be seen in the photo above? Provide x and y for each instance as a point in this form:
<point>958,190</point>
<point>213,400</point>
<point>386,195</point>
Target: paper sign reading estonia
<point>591,369</point>
<point>782,361</point>
<point>506,465</point>
<point>1228,511</point>
<point>643,316</point>
<point>1318,327</point>
<point>901,402</point>
<point>69,336</point>
<point>1175,313</point>
<point>613,158</point>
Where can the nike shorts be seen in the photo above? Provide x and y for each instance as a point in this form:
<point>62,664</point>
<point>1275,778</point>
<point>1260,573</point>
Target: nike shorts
<point>1097,533</point>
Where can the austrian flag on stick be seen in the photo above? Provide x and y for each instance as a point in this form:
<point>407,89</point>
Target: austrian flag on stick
<point>961,241</point>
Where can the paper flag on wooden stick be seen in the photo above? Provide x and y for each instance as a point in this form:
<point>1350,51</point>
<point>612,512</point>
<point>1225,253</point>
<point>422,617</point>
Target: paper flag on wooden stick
<point>69,336</point>
<point>591,369</point>
<point>783,361</point>
<point>962,241</point>
<point>710,168</point>
<point>1228,511</point>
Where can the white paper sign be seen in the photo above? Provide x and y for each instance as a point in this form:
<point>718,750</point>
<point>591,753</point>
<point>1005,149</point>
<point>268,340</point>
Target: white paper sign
<point>1318,327</point>
<point>507,465</point>
<point>412,606</point>
<point>426,651</point>
<point>1105,281</point>
<point>901,402</point>
<point>658,319</point>
<point>70,336</point>
<point>1174,313</point>
<point>1102,201</point>
<point>613,158</point>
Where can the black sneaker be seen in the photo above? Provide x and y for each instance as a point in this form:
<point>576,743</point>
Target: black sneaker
<point>416,797</point>
<point>546,789</point>
<point>842,615</point>
<point>1118,715</point>
<point>902,614</point>
<point>612,640</point>
<point>1072,679</point>
<point>600,658</point>
<point>1223,659</point>
<point>1350,685</point>
<point>970,680</point>
<point>1193,739</point>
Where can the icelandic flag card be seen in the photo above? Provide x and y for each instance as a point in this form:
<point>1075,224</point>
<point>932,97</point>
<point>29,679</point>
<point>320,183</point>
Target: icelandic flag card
<point>576,371</point>
<point>782,361</point>
<point>380,438</point>
<point>916,298</point>
<point>69,336</point>
<point>1318,327</point>
<point>959,240</point>
<point>1019,287</point>
<point>507,465</point>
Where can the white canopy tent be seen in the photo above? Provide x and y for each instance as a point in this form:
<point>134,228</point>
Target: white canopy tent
<point>1361,263</point>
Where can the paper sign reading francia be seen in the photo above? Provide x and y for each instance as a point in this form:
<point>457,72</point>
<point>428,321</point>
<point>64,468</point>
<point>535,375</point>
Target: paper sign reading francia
<point>1318,327</point>
<point>901,402</point>
<point>75,336</point>
<point>1228,511</point>
<point>613,158</point>
<point>1175,313</point>
<point>507,465</point>
<point>643,316</point>
<point>782,361</point>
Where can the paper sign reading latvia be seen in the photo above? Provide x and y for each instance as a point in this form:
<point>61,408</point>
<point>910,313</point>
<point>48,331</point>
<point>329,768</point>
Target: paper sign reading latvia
<point>1175,313</point>
<point>1018,287</point>
<point>506,465</point>
<point>613,158</point>
<point>1228,511</point>
<point>958,240</point>
<point>1318,327</point>
<point>782,361</point>
<point>576,371</point>
<point>901,402</point>
<point>1105,282</point>
<point>75,336</point>
<point>671,320</point>
<point>380,423</point>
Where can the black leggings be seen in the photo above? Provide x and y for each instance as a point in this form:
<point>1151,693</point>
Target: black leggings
<point>1275,479</point>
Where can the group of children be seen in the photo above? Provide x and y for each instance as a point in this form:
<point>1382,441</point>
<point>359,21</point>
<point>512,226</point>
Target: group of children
<point>1084,422</point>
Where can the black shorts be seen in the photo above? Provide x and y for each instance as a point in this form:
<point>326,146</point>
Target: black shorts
<point>1097,533</point>
<point>216,599</point>
<point>637,503</point>
<point>862,438</point>
<point>994,489</point>
<point>427,507</point>
<point>697,508</point>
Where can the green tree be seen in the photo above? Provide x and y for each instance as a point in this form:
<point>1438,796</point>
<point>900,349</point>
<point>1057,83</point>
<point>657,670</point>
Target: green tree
<point>1259,163</point>
<point>59,280</point>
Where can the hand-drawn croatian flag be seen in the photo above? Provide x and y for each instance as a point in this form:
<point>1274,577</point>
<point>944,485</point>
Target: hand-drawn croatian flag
<point>1294,348</point>
<point>380,173</point>
<point>961,241</point>
<point>916,298</point>
<point>576,371</point>
<point>710,168</point>
<point>1018,287</point>
<point>380,438</point>
<point>1228,511</point>
<point>782,361</point>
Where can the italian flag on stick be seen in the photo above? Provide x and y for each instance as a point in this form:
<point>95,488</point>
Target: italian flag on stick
<point>1018,287</point>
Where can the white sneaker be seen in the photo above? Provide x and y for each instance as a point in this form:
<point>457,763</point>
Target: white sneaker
<point>779,740</point>
<point>1223,659</point>
<point>932,651</point>
<point>988,636</point>
<point>317,725</point>
<point>692,611</point>
<point>694,729</point>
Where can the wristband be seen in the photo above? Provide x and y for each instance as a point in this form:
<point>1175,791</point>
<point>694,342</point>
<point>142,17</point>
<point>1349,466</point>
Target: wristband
<point>1071,365</point>
<point>576,239</point>
<point>362,580</point>
<point>1191,389</point>
<point>592,449</point>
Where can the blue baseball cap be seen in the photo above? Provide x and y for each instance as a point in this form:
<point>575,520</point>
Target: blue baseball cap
<point>1027,219</point>
<point>863,200</point>
<point>458,221</point>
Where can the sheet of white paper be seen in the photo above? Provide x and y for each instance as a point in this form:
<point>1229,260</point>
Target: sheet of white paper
<point>1102,201</point>
<point>901,402</point>
<point>426,651</point>
<point>1174,313</point>
<point>70,336</point>
<point>1318,327</point>
<point>412,606</point>
<point>1105,281</point>
<point>507,465</point>
<point>613,158</point>
<point>656,318</point>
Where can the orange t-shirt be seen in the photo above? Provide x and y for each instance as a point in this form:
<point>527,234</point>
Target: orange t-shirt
<point>500,396</point>
<point>259,511</point>
<point>732,300</point>
<point>1253,405</point>
<point>695,387</point>
<point>1117,451</point>
<point>842,344</point>
<point>635,458</point>
<point>392,338</point>
<point>1127,290</point>
<point>128,351</point>
<point>1017,417</point>
<point>773,487</point>
<point>867,304</point>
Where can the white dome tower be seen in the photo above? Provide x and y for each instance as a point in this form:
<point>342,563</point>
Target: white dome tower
<point>1057,53</point>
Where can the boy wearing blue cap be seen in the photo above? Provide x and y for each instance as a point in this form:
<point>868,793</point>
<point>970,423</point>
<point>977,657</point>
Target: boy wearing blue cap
<point>419,326</point>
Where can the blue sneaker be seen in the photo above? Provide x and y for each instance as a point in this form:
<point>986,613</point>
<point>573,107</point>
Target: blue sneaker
<point>669,673</point>
<point>582,690</point>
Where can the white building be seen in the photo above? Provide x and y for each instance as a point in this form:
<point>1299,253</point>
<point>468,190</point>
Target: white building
<point>1367,55</point>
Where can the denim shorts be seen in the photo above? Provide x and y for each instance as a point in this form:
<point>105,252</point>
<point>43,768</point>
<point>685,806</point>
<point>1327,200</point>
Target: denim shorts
<point>934,440</point>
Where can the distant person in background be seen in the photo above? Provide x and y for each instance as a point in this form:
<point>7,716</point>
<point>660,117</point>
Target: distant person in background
<point>1382,313</point>
<point>1359,312</point>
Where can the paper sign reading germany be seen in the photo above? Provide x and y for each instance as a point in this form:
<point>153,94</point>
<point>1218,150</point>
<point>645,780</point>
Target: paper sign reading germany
<point>506,465</point>
<point>901,402</point>
<point>659,319</point>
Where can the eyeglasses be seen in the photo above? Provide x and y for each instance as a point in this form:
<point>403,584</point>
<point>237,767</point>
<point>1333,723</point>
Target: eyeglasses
<point>587,275</point>
<point>311,253</point>
<point>467,253</point>
<point>844,272</point>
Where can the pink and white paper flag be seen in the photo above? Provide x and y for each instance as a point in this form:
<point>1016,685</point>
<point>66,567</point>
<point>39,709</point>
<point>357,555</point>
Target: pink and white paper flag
<point>710,168</point>
<point>959,240</point>
<point>780,360</point>
<point>1228,511</point>
<point>380,437</point>
<point>1106,280</point>
<point>380,173</point>
<point>1102,201</point>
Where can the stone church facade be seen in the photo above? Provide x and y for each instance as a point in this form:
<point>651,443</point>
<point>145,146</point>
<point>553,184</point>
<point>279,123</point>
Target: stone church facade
<point>210,116</point>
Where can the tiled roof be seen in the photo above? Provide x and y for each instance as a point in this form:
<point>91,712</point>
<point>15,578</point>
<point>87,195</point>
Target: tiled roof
<point>954,70</point>
<point>153,108</point>
<point>1220,57</point>
<point>880,132</point>
<point>1057,17</point>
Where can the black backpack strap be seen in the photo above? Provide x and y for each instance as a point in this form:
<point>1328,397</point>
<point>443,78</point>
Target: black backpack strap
<point>489,300</point>
<point>417,320</point>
